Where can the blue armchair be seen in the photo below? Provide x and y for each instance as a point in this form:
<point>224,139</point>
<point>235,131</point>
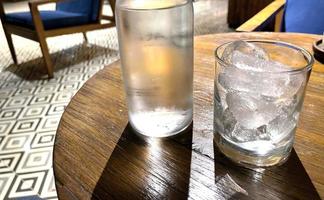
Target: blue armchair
<point>70,16</point>
<point>290,16</point>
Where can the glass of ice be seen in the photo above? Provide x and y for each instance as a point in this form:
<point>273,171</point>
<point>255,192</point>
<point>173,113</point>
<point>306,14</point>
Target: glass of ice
<point>259,92</point>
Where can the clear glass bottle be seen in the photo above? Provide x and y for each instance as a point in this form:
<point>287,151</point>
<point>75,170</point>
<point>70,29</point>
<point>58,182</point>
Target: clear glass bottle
<point>156,49</point>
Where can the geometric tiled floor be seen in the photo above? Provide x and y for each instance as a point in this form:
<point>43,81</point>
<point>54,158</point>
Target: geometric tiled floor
<point>29,117</point>
<point>30,110</point>
<point>31,105</point>
<point>28,122</point>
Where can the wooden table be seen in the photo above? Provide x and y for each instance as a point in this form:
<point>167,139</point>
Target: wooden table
<point>97,155</point>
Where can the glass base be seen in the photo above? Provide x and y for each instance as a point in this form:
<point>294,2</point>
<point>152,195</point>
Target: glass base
<point>160,135</point>
<point>252,160</point>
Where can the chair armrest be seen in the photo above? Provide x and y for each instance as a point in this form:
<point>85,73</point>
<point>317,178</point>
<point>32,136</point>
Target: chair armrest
<point>107,17</point>
<point>262,17</point>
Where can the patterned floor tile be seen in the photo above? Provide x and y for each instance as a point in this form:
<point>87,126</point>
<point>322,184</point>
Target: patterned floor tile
<point>1,139</point>
<point>3,77</point>
<point>62,97</point>
<point>9,114</point>
<point>49,190</point>
<point>26,125</point>
<point>17,101</point>
<point>11,84</point>
<point>87,76</point>
<point>16,142</point>
<point>6,126</point>
<point>43,139</point>
<point>35,160</point>
<point>49,123</point>
<point>62,72</point>
<point>30,83</point>
<point>5,183</point>
<point>2,102</point>
<point>29,91</point>
<point>9,162</point>
<point>37,111</point>
<point>69,86</point>
<point>41,99</point>
<point>74,72</point>
<point>7,92</point>
<point>27,184</point>
<point>54,80</point>
<point>73,77</point>
<point>13,78</point>
<point>56,109</point>
<point>47,88</point>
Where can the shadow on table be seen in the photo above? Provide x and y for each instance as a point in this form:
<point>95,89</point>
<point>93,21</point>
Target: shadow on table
<point>287,181</point>
<point>147,168</point>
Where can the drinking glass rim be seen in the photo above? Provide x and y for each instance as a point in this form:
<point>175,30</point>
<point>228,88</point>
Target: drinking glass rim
<point>307,55</point>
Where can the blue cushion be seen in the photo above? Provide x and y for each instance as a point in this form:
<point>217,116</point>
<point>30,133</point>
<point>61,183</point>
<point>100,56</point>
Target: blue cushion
<point>51,19</point>
<point>304,16</point>
<point>87,7</point>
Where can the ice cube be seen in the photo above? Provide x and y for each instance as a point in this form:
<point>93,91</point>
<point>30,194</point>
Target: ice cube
<point>232,78</point>
<point>229,121</point>
<point>246,48</point>
<point>218,115</point>
<point>250,110</point>
<point>286,120</point>
<point>275,84</point>
<point>220,94</point>
<point>242,134</point>
<point>295,83</point>
<point>253,63</point>
<point>282,126</point>
<point>224,121</point>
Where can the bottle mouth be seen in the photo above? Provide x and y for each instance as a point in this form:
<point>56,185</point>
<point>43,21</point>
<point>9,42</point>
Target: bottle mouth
<point>151,4</point>
<point>308,59</point>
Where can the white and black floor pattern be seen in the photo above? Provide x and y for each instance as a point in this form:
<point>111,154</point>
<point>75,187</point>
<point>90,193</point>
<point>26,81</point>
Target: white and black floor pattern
<point>30,110</point>
<point>31,105</point>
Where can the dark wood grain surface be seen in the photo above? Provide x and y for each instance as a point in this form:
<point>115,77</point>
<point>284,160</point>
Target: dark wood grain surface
<point>98,156</point>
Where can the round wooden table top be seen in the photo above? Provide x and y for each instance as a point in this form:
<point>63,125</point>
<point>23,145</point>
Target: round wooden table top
<point>97,155</point>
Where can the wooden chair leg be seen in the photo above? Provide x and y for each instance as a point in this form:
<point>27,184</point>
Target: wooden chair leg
<point>85,37</point>
<point>41,38</point>
<point>46,56</point>
<point>11,47</point>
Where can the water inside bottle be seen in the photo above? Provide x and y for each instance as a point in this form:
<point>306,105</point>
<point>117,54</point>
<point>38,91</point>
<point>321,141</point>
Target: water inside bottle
<point>157,60</point>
